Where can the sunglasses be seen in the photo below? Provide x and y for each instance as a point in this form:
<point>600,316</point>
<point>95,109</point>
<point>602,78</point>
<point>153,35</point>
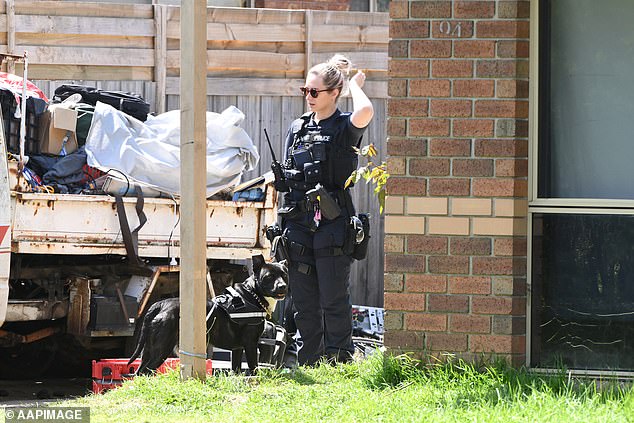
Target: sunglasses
<point>314,92</point>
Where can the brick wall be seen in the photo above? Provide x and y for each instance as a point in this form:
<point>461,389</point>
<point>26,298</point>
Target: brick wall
<point>455,243</point>
<point>308,4</point>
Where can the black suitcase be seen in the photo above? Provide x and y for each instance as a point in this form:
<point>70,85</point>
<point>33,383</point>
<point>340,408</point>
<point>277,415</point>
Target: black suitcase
<point>129,103</point>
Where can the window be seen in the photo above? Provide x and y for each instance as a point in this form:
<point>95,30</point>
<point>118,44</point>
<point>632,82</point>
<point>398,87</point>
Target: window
<point>581,205</point>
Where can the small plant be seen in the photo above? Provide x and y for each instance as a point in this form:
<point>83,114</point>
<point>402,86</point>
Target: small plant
<point>377,174</point>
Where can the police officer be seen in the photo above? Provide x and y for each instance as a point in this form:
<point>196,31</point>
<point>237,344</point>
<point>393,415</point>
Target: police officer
<point>319,155</point>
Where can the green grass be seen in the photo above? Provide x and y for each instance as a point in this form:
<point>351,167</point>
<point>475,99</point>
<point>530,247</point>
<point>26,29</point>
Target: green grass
<point>380,389</point>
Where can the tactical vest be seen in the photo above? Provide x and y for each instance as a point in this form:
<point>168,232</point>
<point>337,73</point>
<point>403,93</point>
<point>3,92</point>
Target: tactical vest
<point>241,306</point>
<point>316,157</point>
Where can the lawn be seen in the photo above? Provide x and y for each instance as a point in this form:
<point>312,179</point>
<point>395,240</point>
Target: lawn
<point>379,389</point>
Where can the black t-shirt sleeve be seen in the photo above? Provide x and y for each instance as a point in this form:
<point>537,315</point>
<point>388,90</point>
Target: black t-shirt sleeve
<point>353,134</point>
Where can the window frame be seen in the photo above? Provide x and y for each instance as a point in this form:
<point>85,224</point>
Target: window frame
<point>542,205</point>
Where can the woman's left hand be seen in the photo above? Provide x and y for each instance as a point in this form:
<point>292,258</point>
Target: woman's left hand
<point>358,78</point>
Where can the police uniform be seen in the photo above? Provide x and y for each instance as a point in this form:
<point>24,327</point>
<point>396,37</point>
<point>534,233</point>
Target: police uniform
<point>318,247</point>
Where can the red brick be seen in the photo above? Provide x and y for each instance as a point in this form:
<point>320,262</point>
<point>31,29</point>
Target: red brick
<point>416,282</point>
<point>501,148</point>
<point>450,108</point>
<point>467,323</point>
<point>396,165</point>
<point>501,108</point>
<point>449,147</point>
<point>449,264</point>
<point>498,305</point>
<point>396,127</point>
<point>422,244</point>
<point>429,127</point>
<point>508,325</point>
<point>398,48</point>
<point>406,186</point>
<point>452,29</point>
<point>480,285</point>
<point>510,246</point>
<point>470,246</point>
<point>412,68</point>
<point>474,9</point>
<point>452,68</point>
<point>409,29</point>
<point>393,282</point>
<point>430,88</point>
<point>511,167</point>
<point>430,9</point>
<point>472,167</point>
<point>397,87</point>
<point>473,88</point>
<point>499,266</point>
<point>502,69</point>
<point>473,127</point>
<point>394,244</point>
<point>511,128</point>
<point>404,263</point>
<point>499,188</point>
<point>429,167</point>
<point>399,9</point>
<point>476,49</point>
<point>447,342</point>
<point>406,107</point>
<point>430,48</point>
<point>404,301</point>
<point>449,186</point>
<point>404,339</point>
<point>449,303</point>
<point>509,286</point>
<point>427,322</point>
<point>501,344</point>
<point>514,9</point>
<point>512,49</point>
<point>512,89</point>
<point>502,29</point>
<point>406,146</point>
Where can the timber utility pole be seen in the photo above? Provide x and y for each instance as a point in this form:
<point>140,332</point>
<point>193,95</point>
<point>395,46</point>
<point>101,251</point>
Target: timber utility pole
<point>193,181</point>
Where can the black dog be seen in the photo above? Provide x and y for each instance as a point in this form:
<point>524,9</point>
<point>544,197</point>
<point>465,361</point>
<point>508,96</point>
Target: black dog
<point>235,319</point>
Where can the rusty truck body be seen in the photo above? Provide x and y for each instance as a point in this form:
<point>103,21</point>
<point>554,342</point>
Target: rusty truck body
<point>66,276</point>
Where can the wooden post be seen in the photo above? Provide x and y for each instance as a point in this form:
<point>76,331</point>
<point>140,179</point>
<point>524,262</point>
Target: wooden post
<point>308,45</point>
<point>10,4</point>
<point>193,105</point>
<point>160,56</point>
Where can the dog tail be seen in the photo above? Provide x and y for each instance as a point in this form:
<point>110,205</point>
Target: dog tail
<point>149,315</point>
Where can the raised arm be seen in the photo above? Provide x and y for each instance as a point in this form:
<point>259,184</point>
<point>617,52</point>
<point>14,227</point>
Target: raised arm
<point>362,106</point>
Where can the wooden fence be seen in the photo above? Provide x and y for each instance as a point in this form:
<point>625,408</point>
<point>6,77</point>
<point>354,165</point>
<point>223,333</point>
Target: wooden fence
<point>256,60</point>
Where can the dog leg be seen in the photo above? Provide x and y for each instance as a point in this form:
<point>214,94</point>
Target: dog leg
<point>252,359</point>
<point>236,360</point>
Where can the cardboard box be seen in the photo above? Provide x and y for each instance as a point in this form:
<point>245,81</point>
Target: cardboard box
<point>58,125</point>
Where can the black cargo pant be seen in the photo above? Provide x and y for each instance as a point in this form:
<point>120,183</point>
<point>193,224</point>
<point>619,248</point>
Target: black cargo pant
<point>319,276</point>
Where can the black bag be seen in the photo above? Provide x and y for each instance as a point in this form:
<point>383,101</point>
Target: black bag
<point>129,103</point>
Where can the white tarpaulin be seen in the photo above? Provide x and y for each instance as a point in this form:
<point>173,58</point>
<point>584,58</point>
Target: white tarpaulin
<point>149,151</point>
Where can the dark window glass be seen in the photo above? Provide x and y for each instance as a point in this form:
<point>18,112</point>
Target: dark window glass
<point>586,99</point>
<point>582,295</point>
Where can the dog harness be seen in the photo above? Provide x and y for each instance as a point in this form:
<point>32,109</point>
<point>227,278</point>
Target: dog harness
<point>241,305</point>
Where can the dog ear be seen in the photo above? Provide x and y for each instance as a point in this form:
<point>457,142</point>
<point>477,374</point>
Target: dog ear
<point>258,262</point>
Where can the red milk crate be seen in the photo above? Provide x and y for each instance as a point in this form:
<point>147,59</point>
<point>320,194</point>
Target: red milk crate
<point>111,372</point>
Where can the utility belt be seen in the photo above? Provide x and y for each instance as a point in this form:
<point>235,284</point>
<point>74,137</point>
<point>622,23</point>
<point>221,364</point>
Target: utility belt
<point>317,199</point>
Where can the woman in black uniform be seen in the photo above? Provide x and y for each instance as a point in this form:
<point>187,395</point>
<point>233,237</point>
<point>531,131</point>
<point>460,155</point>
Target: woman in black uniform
<point>319,153</point>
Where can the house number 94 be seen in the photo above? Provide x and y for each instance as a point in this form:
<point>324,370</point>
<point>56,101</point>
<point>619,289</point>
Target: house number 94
<point>451,29</point>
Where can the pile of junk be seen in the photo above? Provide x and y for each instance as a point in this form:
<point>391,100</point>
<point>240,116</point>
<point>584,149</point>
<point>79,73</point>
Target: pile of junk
<point>87,140</point>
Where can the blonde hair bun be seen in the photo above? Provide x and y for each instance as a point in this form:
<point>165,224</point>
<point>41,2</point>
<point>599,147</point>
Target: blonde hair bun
<point>342,63</point>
